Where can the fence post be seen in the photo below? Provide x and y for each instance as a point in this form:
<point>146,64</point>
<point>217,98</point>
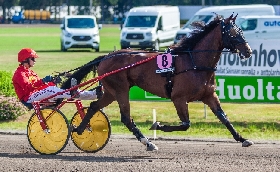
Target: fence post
<point>154,120</point>
<point>205,111</point>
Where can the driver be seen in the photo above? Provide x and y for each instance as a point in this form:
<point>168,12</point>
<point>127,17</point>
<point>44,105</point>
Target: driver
<point>29,87</point>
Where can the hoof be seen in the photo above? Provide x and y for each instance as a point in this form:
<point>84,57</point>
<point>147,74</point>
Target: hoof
<point>154,126</point>
<point>151,147</point>
<point>74,129</point>
<point>247,143</point>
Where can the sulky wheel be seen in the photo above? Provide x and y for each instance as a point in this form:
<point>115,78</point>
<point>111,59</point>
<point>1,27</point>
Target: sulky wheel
<point>96,136</point>
<point>51,142</point>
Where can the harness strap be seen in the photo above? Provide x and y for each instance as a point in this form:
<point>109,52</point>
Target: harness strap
<point>169,84</point>
<point>170,74</point>
<point>196,67</point>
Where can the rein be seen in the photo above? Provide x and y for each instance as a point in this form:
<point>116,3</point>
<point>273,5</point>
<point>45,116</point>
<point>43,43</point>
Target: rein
<point>116,71</point>
<point>130,53</point>
<point>98,61</point>
<point>96,79</point>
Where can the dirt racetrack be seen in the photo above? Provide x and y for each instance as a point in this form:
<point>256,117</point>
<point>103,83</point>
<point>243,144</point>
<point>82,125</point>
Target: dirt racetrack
<point>125,153</point>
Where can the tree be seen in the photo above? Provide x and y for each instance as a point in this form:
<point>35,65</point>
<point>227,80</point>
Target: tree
<point>119,6</point>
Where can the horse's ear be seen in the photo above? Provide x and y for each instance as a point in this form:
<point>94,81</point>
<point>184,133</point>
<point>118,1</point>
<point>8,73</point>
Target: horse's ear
<point>228,19</point>
<point>216,16</point>
<point>234,18</point>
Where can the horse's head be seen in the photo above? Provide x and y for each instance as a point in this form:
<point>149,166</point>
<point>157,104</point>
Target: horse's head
<point>233,38</point>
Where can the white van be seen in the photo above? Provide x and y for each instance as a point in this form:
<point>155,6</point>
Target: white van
<point>260,26</point>
<point>150,27</point>
<point>207,14</point>
<point>79,31</point>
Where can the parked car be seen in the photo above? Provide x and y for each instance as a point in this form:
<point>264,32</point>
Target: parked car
<point>261,26</point>
<point>207,14</point>
<point>150,27</point>
<point>80,31</point>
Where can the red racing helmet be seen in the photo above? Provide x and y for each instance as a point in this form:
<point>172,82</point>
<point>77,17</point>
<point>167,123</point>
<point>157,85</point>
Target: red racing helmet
<point>26,53</point>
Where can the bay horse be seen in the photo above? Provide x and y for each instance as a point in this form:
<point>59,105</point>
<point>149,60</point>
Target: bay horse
<point>189,76</point>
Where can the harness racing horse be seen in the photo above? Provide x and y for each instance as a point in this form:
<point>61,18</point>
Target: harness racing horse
<point>190,76</point>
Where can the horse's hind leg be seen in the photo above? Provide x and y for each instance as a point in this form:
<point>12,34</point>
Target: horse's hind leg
<point>104,101</point>
<point>182,111</point>
<point>214,104</point>
<point>123,101</point>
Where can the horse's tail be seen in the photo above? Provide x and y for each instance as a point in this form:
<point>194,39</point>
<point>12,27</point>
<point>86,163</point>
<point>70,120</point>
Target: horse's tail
<point>83,71</point>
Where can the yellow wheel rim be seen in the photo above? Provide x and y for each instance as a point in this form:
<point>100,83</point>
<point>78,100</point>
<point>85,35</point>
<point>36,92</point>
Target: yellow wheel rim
<point>96,136</point>
<point>52,142</point>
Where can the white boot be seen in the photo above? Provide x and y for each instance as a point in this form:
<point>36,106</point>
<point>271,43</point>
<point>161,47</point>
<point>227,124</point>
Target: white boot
<point>150,145</point>
<point>87,95</point>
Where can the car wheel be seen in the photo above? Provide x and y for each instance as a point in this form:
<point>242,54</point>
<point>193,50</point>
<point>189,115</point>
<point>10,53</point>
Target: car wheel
<point>62,48</point>
<point>97,49</point>
<point>156,47</point>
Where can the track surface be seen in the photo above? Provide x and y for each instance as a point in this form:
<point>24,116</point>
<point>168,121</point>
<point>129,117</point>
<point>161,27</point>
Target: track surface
<point>124,153</point>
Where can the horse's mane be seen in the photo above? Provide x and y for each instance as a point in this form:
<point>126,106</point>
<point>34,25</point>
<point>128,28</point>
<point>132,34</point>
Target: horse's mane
<point>83,71</point>
<point>200,31</point>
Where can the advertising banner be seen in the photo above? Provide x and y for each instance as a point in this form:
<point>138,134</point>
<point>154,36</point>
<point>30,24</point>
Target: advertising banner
<point>254,80</point>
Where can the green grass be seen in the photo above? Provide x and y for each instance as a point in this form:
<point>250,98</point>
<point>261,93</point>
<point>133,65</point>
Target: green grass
<point>253,121</point>
<point>46,42</point>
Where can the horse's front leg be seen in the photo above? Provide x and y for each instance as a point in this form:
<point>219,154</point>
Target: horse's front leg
<point>214,104</point>
<point>123,102</point>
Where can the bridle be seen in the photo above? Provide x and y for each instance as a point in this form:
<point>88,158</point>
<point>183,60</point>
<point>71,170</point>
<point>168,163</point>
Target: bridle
<point>230,41</point>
